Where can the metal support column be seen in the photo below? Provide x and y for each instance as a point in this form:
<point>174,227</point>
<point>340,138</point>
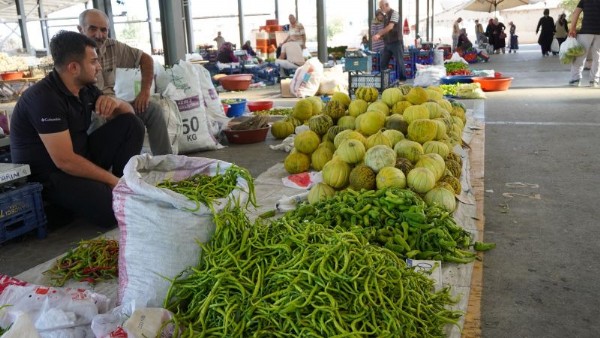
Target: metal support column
<point>43,24</point>
<point>241,23</point>
<point>106,7</point>
<point>417,21</point>
<point>172,27</point>
<point>189,29</point>
<point>23,25</point>
<point>321,31</point>
<point>371,10</point>
<point>151,26</point>
<point>277,11</point>
<point>427,21</point>
<point>400,10</point>
<point>432,16</point>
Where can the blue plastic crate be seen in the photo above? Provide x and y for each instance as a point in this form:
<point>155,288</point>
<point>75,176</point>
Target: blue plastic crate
<point>380,81</point>
<point>364,64</point>
<point>22,211</point>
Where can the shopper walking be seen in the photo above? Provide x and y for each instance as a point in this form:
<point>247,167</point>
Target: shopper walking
<point>391,34</point>
<point>545,28</point>
<point>489,33</point>
<point>376,26</point>
<point>561,29</point>
<point>499,37</point>
<point>514,38</point>
<point>589,37</point>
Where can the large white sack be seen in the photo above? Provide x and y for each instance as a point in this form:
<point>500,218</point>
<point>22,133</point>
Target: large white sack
<point>159,228</point>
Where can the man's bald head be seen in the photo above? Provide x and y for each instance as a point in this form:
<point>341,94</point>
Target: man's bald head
<point>94,24</point>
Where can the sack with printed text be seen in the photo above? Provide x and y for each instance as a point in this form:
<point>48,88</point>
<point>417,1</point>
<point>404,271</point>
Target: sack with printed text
<point>197,134</point>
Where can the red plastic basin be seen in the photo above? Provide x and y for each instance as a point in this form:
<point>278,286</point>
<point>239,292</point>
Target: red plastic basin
<point>491,84</point>
<point>237,82</point>
<point>246,136</point>
<point>11,76</point>
<point>260,105</point>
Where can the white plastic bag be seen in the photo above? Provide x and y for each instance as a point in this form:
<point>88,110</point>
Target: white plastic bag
<point>197,134</point>
<point>570,49</point>
<point>555,47</point>
<point>334,80</point>
<point>307,78</point>
<point>159,228</point>
<point>457,58</point>
<point>429,75</point>
<point>54,312</point>
<point>131,322</point>
<point>128,83</point>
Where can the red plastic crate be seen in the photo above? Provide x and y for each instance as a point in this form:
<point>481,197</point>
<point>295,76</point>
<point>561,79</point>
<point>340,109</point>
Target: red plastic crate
<point>22,211</point>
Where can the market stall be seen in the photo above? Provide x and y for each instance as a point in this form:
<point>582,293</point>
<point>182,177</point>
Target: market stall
<point>275,194</point>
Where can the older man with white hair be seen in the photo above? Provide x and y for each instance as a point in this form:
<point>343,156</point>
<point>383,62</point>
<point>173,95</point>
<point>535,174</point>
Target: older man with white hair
<point>391,33</point>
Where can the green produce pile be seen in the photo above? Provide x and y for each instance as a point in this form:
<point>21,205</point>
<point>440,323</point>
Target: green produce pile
<point>92,261</point>
<point>449,89</point>
<point>457,68</point>
<point>275,111</point>
<point>206,189</point>
<point>296,278</point>
<point>397,219</point>
<point>3,330</point>
<point>572,53</point>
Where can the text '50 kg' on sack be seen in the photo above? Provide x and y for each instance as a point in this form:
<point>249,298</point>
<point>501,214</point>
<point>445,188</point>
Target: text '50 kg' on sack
<point>159,228</point>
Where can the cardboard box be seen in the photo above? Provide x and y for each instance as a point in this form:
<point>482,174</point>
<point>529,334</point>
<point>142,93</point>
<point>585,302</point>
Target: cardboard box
<point>285,88</point>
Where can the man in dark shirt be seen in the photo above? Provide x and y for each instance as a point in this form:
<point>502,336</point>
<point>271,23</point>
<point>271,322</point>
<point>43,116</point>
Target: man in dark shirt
<point>49,132</point>
<point>392,39</point>
<point>589,37</point>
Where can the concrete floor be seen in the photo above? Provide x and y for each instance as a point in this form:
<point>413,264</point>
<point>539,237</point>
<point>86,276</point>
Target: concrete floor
<point>541,280</point>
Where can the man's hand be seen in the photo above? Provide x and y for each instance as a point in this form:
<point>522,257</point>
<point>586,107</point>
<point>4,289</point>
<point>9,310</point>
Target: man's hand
<point>106,105</point>
<point>376,37</point>
<point>140,104</point>
<point>572,33</point>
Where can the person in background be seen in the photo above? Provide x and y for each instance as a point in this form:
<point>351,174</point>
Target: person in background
<point>589,37</point>
<point>479,33</point>
<point>514,39</point>
<point>455,33</point>
<point>545,27</point>
<point>113,54</point>
<point>561,30</point>
<point>219,40</point>
<point>49,132</point>
<point>463,44</point>
<point>296,32</point>
<point>290,58</point>
<point>391,33</point>
<point>489,33</point>
<point>376,26</point>
<point>364,43</point>
<point>499,37</point>
<point>225,54</point>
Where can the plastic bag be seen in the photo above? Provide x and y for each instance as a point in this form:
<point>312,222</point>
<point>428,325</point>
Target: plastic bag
<point>457,58</point>
<point>429,75</point>
<point>128,83</point>
<point>307,78</point>
<point>570,50</point>
<point>555,47</point>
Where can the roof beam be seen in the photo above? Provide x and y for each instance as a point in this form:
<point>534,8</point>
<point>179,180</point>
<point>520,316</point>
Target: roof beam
<point>23,24</point>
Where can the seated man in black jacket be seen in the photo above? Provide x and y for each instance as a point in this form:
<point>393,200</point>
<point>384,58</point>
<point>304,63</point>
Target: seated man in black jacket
<point>49,132</point>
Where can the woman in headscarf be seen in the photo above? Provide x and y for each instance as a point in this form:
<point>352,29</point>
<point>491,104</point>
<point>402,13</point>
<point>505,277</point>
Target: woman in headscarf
<point>499,37</point>
<point>546,29</point>
<point>225,54</point>
<point>489,33</point>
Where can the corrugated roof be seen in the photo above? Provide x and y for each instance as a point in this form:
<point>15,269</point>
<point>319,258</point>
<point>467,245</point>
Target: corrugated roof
<point>8,8</point>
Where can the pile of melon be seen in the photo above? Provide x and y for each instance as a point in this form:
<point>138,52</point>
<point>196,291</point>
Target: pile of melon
<point>405,139</point>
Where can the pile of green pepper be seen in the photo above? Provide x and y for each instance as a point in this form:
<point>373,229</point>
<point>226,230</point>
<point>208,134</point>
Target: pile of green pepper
<point>91,261</point>
<point>397,219</point>
<point>299,278</point>
<point>207,189</point>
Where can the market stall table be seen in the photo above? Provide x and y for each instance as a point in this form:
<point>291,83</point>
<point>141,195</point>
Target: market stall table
<point>464,279</point>
<point>13,89</point>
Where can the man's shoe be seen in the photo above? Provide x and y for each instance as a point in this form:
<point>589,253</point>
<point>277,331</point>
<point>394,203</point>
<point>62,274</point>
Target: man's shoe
<point>574,83</point>
<point>594,84</point>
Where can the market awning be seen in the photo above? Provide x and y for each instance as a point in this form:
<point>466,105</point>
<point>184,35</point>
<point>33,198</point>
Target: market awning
<point>8,8</point>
